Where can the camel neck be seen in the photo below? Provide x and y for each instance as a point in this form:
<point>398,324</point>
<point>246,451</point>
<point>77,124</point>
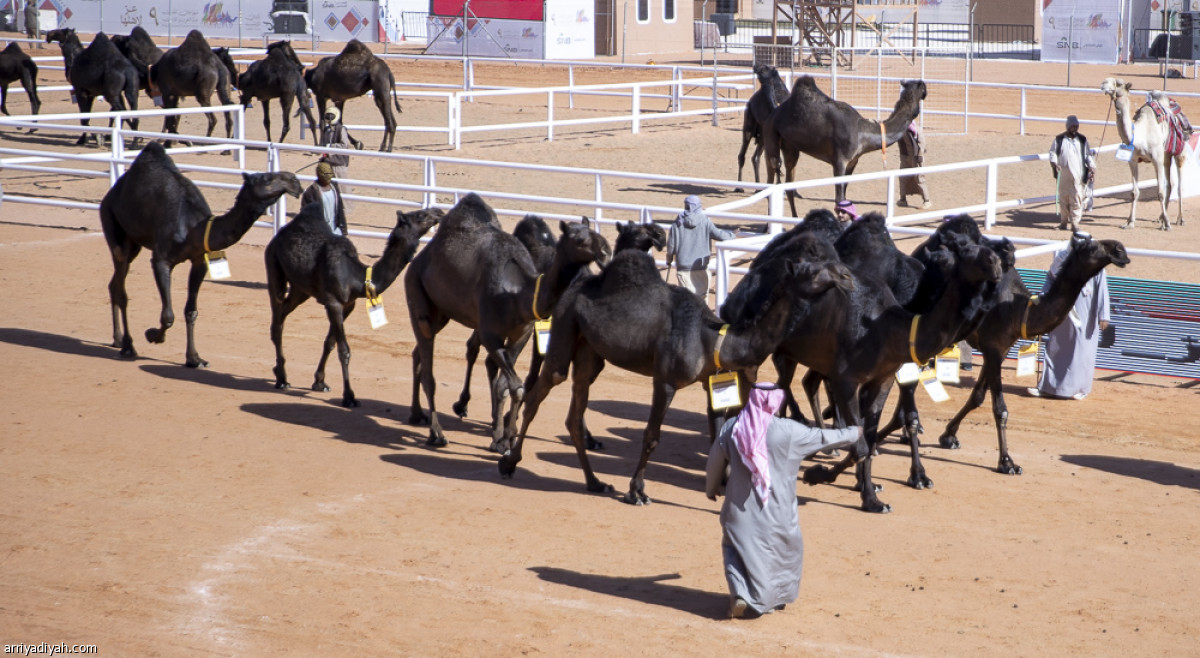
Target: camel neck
<point>1059,298</point>
<point>228,228</point>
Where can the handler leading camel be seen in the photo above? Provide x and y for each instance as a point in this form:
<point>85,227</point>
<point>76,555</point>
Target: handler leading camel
<point>1074,168</point>
<point>761,542</point>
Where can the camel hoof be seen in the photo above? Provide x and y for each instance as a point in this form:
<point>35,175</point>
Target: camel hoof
<point>502,446</point>
<point>949,441</point>
<point>596,486</point>
<point>128,353</point>
<point>436,441</point>
<point>1127,225</point>
<point>593,444</point>
<point>320,386</point>
<point>636,499</point>
<point>282,386</point>
<point>350,403</point>
<point>155,335</point>
<point>418,418</point>
<point>920,482</point>
<point>1007,467</point>
<point>876,507</point>
<point>196,363</point>
<point>460,409</point>
<point>507,465</point>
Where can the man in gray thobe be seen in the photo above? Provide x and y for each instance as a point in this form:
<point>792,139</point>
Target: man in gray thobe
<point>1074,169</point>
<point>1070,363</point>
<point>689,246</point>
<point>762,544</point>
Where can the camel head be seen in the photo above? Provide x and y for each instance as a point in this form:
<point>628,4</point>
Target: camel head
<point>808,279</point>
<point>61,35</point>
<point>413,224</point>
<point>1100,252</point>
<point>272,185</point>
<point>580,244</point>
<point>642,237</point>
<point>1006,251</point>
<point>913,91</point>
<point>1115,87</point>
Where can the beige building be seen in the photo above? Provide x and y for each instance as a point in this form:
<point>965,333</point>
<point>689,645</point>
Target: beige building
<point>643,28</point>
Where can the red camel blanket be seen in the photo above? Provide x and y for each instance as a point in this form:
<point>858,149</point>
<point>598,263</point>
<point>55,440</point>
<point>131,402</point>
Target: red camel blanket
<point>1180,129</point>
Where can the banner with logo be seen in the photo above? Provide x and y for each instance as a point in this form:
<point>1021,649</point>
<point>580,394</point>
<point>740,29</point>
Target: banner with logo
<point>487,37</point>
<point>331,20</point>
<point>1085,31</point>
<point>570,29</point>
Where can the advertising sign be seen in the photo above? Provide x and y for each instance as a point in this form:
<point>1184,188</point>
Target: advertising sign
<point>523,10</point>
<point>570,29</point>
<point>488,37</point>
<point>1085,31</point>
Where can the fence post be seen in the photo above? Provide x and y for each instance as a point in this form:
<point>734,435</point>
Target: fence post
<point>241,134</point>
<point>637,106</point>
<point>273,158</point>
<point>571,86</point>
<point>550,116</point>
<point>1022,111</point>
<point>118,151</point>
<point>599,198</point>
<point>457,126</point>
<point>676,89</point>
<point>722,276</point>
<point>714,97</point>
<point>451,117</point>
<point>430,181</point>
<point>833,73</point>
<point>990,216</point>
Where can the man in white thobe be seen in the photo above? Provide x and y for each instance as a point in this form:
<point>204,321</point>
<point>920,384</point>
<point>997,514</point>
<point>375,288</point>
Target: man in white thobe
<point>1074,169</point>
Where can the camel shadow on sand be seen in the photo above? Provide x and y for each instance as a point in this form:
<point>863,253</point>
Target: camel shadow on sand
<point>57,343</point>
<point>1164,473</point>
<point>643,589</point>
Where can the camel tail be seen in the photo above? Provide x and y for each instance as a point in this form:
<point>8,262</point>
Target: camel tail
<point>29,81</point>
<point>395,100</point>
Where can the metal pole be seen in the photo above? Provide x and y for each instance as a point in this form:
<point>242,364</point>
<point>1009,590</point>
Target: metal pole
<point>239,27</point>
<point>624,31</point>
<point>1070,43</point>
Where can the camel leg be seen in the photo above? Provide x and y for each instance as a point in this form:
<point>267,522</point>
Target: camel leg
<point>506,386</point>
<point>907,408</point>
<point>191,312</point>
<point>416,416</point>
<point>741,157</point>
<point>785,370</point>
<point>389,120</point>
<point>1179,171</point>
<point>122,256</point>
<point>285,103</point>
<point>85,100</point>
<point>811,384</point>
<point>206,101</point>
<point>460,407</point>
<point>754,159</point>
<point>267,119</point>
<point>790,158</point>
<point>425,355</point>
<point>1164,194</point>
<point>162,277</point>
<point>845,400</point>
<point>1134,193</point>
<point>281,307</point>
<point>587,365</point>
<point>661,399</point>
<point>989,380</point>
<point>337,332</point>
<point>4,109</point>
<point>552,373</point>
<point>876,394</point>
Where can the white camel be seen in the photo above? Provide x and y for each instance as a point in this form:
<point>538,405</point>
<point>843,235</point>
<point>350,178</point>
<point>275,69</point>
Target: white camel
<point>1148,138</point>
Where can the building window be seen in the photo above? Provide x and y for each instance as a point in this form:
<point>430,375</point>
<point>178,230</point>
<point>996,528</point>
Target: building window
<point>668,11</point>
<point>727,6</point>
<point>643,11</point>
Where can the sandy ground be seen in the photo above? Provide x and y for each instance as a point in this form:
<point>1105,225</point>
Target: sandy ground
<point>156,510</point>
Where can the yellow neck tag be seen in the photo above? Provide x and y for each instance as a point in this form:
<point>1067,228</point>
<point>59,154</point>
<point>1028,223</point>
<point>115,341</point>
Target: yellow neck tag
<point>912,340</point>
<point>537,287</point>
<point>207,230</point>
<point>372,298</point>
<point>1025,318</point>
<point>717,347</point>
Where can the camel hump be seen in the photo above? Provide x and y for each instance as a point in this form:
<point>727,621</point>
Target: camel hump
<point>356,47</point>
<point>153,155</point>
<point>194,39</point>
<point>13,49</point>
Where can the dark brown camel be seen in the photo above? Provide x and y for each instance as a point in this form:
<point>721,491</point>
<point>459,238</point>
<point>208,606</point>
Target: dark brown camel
<point>69,44</point>
<point>307,259</point>
<point>762,103</point>
<point>808,121</point>
<point>153,206</point>
<point>16,66</point>
<point>193,69</point>
<point>858,340</point>
<point>101,70</point>
<point>141,51</point>
<point>279,75</point>
<point>350,74</point>
<point>1018,315</point>
<point>483,278</point>
<point>536,237</point>
<point>628,316</point>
